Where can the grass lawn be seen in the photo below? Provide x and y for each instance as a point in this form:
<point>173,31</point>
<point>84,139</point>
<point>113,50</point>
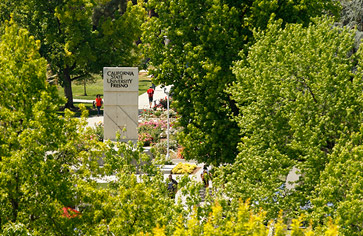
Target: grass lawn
<point>93,89</point>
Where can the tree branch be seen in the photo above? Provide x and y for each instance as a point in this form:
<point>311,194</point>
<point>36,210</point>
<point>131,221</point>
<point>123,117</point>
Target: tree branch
<point>79,76</point>
<point>310,91</point>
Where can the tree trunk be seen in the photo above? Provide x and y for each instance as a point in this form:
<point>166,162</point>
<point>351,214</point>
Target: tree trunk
<point>84,87</point>
<point>68,88</point>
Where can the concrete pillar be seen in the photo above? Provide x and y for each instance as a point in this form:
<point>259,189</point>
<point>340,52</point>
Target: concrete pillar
<point>121,90</point>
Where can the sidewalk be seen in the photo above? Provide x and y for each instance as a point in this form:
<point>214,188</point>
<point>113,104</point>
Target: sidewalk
<point>158,94</point>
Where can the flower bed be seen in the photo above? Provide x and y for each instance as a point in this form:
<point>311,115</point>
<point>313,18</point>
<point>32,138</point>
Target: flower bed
<point>150,131</point>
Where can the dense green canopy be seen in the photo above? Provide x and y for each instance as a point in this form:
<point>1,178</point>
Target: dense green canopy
<point>294,96</point>
<point>38,147</point>
<point>79,37</point>
<point>299,91</point>
<point>192,45</point>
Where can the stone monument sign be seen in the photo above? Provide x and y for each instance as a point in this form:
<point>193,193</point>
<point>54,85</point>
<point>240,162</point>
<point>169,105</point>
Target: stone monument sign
<point>121,90</point>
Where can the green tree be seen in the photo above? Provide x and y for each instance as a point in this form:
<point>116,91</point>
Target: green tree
<point>76,39</point>
<point>84,81</point>
<point>192,44</point>
<point>39,149</point>
<point>48,162</point>
<point>300,93</point>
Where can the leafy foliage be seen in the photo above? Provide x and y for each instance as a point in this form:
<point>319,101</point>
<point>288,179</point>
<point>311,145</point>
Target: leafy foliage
<point>39,149</point>
<point>242,221</point>
<point>299,91</point>
<point>75,40</point>
<point>99,131</point>
<point>192,44</point>
<point>301,104</point>
<point>339,191</point>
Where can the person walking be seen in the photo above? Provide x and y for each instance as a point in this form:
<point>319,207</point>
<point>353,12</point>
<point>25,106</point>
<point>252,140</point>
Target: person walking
<point>150,93</point>
<point>206,176</point>
<point>172,187</point>
<point>99,103</point>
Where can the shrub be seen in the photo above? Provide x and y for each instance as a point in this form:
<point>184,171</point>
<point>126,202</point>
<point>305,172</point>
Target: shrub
<point>145,138</point>
<point>163,103</point>
<point>152,129</point>
<point>161,147</point>
<point>243,221</point>
<point>183,168</point>
<point>99,127</point>
<point>157,113</point>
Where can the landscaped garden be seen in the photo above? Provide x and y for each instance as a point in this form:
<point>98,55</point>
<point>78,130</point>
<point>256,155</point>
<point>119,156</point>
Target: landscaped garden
<point>152,131</point>
<point>263,90</point>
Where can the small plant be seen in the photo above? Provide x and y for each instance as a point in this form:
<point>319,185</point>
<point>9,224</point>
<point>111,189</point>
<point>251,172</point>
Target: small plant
<point>172,113</point>
<point>99,128</point>
<point>145,138</point>
<point>157,113</point>
<point>147,113</point>
<point>161,147</point>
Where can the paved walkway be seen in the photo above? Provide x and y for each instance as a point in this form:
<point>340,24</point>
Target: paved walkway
<point>158,94</point>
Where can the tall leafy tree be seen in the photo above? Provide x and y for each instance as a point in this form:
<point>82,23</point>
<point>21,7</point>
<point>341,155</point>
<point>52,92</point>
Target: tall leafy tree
<point>192,44</point>
<point>77,39</point>
<point>300,95</point>
<point>45,160</point>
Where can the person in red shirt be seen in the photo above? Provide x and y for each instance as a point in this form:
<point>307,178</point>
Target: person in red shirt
<point>98,104</point>
<point>150,92</point>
